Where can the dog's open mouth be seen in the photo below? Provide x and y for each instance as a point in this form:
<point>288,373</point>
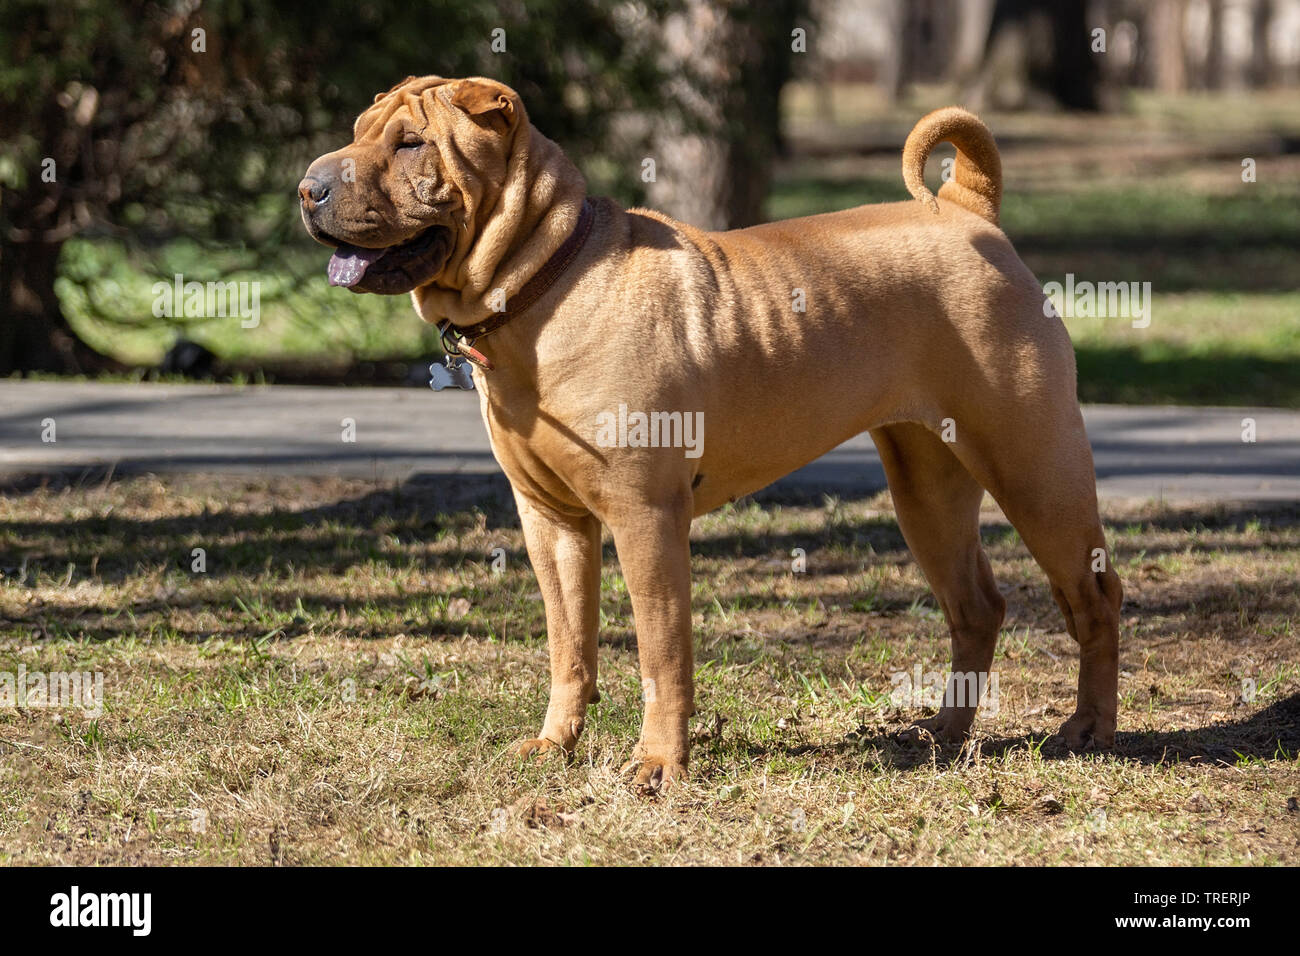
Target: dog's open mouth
<point>392,270</point>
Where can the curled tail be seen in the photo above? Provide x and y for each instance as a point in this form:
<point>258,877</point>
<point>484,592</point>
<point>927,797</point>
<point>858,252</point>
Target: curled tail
<point>976,184</point>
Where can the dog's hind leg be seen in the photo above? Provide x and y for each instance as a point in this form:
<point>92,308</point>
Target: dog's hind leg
<point>565,554</point>
<point>937,502</point>
<point>1037,464</point>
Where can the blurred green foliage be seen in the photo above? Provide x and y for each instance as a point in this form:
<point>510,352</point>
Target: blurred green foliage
<point>179,130</point>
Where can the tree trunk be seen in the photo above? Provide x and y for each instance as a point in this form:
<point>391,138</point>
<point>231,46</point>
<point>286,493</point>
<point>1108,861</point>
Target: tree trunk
<point>1038,50</point>
<point>1075,75</point>
<point>1165,23</point>
<point>1213,72</point>
<point>713,161</point>
<point>894,20</point>
<point>974,21</point>
<point>1260,71</point>
<point>34,335</point>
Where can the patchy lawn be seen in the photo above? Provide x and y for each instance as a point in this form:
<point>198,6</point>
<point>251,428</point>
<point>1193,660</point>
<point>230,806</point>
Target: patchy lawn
<point>341,683</point>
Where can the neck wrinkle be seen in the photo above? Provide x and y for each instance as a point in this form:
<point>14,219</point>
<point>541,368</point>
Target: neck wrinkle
<point>505,255</point>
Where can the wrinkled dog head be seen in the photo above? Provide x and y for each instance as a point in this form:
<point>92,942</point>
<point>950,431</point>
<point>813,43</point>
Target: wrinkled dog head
<point>403,200</point>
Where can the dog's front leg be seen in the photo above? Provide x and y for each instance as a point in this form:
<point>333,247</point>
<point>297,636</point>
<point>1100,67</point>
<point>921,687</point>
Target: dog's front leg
<point>565,552</point>
<point>654,552</point>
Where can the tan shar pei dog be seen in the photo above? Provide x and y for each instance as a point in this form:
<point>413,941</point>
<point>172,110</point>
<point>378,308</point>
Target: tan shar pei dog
<point>635,372</point>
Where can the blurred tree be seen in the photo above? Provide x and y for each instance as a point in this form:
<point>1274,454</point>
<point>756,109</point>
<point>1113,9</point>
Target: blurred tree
<point>1212,68</point>
<point>1036,49</point>
<point>1166,29</point>
<point>713,153</point>
<point>1261,71</point>
<point>147,120</point>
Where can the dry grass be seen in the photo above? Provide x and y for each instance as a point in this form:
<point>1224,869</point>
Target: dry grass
<point>340,686</point>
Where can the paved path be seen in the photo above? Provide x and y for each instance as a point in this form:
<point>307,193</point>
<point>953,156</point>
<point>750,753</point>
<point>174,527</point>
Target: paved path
<point>1174,453</point>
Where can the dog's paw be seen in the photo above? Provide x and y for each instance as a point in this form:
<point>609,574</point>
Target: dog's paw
<point>1087,731</point>
<point>917,736</point>
<point>651,774</point>
<point>536,747</point>
<point>945,727</point>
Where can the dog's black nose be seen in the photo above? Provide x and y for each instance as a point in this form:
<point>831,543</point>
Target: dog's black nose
<point>313,191</point>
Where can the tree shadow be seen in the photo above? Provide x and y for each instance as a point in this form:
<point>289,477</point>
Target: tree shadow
<point>383,525</point>
<point>1272,734</point>
<point>335,536</point>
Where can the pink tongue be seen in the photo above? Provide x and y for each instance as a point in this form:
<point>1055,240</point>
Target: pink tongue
<point>348,264</point>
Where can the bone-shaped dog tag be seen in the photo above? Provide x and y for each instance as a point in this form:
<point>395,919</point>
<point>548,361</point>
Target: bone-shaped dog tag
<point>450,374</point>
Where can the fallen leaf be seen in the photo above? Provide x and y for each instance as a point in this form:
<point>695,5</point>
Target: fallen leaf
<point>538,814</point>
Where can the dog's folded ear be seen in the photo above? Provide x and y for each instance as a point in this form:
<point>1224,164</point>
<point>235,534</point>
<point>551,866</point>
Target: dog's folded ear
<point>394,87</point>
<point>488,103</point>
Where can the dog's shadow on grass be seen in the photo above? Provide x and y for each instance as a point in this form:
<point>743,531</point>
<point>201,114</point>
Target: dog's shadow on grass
<point>1272,734</point>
